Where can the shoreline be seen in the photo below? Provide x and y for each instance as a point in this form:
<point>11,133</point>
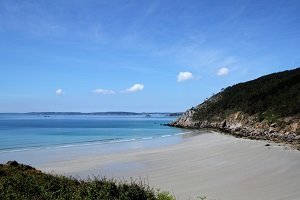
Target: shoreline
<point>295,145</point>
<point>212,164</point>
<point>91,143</point>
<point>241,125</point>
<point>235,134</point>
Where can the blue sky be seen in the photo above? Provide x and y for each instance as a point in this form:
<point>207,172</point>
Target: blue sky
<point>93,55</point>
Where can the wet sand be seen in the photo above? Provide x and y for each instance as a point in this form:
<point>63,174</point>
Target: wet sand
<point>213,165</point>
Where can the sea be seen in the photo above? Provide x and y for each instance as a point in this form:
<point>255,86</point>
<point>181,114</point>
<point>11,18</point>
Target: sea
<point>21,133</point>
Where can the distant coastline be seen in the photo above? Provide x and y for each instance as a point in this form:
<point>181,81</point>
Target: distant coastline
<point>123,113</point>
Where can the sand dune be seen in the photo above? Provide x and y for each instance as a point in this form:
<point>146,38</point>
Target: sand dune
<point>214,165</point>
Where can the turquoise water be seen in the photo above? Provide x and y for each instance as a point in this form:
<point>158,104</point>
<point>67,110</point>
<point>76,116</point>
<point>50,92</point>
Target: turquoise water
<point>22,132</point>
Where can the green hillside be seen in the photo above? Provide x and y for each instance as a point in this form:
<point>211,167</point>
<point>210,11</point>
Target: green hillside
<point>270,97</point>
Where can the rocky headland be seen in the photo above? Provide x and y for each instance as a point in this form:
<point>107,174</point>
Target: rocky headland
<point>267,108</point>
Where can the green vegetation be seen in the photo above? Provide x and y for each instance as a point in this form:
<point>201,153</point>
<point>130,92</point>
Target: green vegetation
<point>270,97</point>
<point>19,181</point>
<point>165,196</point>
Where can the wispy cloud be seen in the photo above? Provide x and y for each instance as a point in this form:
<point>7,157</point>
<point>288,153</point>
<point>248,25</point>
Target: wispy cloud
<point>135,88</point>
<point>59,92</point>
<point>223,71</point>
<point>184,76</point>
<point>103,91</point>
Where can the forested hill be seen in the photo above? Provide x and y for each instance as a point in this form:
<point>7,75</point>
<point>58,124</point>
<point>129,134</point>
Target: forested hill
<point>271,96</point>
<point>264,108</point>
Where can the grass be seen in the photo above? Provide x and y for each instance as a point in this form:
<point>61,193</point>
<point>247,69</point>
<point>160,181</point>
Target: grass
<point>18,181</point>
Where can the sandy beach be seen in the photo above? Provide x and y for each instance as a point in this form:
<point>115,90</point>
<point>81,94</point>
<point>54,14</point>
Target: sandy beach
<point>211,164</point>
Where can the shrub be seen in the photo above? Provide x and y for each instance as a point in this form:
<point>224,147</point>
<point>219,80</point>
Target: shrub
<point>19,181</point>
<point>165,196</point>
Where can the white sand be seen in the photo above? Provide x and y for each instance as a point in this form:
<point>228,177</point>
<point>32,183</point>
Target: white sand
<point>214,165</point>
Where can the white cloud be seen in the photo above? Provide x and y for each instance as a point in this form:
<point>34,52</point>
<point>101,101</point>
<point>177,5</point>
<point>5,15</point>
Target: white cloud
<point>59,92</point>
<point>223,71</point>
<point>135,88</point>
<point>102,91</point>
<point>184,76</point>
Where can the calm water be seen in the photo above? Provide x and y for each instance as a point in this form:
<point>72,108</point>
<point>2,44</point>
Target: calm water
<point>20,132</point>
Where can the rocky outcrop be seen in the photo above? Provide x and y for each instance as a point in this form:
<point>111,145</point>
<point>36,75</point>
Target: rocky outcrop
<point>239,124</point>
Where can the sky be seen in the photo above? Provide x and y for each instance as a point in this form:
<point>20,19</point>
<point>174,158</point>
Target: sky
<point>138,55</point>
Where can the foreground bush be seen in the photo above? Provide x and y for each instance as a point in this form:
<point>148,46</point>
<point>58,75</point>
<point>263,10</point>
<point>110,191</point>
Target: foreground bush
<point>19,181</point>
